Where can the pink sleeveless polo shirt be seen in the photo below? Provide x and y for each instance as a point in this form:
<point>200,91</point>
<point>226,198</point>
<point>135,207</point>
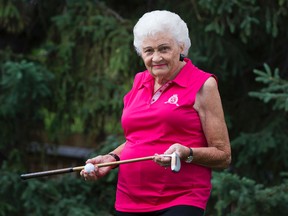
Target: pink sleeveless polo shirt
<point>151,123</point>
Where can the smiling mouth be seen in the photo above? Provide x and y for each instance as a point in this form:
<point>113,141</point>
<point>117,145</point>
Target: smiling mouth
<point>158,66</point>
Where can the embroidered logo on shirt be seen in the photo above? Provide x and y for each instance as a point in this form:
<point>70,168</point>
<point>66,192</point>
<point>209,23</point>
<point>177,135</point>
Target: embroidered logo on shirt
<point>173,100</point>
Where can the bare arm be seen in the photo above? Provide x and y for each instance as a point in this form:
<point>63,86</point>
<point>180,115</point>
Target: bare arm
<point>118,150</point>
<point>218,153</point>
<point>208,104</point>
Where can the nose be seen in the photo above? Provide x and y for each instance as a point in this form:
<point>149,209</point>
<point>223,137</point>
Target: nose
<point>156,57</point>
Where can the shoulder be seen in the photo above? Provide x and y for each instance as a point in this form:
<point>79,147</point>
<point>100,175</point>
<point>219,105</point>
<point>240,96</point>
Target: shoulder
<point>199,77</point>
<point>139,78</point>
<point>142,76</point>
<point>207,95</point>
<point>210,84</point>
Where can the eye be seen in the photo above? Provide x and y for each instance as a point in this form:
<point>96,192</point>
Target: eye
<point>148,51</point>
<point>164,49</point>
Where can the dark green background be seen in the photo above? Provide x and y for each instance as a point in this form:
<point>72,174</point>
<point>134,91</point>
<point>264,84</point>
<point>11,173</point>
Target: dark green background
<point>65,66</point>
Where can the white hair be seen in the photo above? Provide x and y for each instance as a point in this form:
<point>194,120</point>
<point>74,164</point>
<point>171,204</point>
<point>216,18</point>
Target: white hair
<point>161,21</point>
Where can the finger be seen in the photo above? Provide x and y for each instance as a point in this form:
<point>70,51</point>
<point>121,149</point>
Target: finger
<point>156,157</point>
<point>92,160</point>
<point>84,174</point>
<point>171,149</point>
<point>90,177</point>
<point>87,175</point>
<point>162,160</point>
<point>95,160</point>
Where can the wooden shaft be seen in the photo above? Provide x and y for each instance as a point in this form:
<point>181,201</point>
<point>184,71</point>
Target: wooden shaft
<point>79,168</point>
<point>125,161</point>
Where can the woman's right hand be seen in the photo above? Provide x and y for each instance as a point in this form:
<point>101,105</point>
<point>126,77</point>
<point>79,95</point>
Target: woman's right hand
<point>98,172</point>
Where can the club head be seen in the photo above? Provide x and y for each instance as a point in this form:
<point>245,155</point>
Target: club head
<point>175,161</point>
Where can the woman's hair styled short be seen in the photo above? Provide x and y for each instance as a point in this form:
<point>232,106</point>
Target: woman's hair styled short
<point>161,21</point>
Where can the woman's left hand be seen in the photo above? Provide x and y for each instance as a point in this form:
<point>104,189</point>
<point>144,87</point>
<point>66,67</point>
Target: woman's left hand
<point>182,151</point>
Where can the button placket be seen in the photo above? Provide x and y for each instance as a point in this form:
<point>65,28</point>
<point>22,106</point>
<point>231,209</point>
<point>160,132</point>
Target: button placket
<point>159,92</point>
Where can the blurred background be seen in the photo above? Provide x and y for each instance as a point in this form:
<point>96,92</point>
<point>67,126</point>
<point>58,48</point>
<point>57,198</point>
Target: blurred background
<point>65,66</point>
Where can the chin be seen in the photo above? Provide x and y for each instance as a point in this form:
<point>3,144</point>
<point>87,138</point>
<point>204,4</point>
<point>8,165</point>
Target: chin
<point>160,72</point>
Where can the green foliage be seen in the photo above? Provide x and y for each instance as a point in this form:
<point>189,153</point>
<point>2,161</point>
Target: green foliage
<point>238,34</point>
<point>276,90</point>
<point>67,64</point>
<point>25,88</point>
<point>89,53</point>
<point>11,19</point>
<point>242,196</point>
<point>23,84</point>
<point>224,18</point>
<point>66,194</point>
<point>63,196</point>
<point>262,155</point>
<point>243,17</point>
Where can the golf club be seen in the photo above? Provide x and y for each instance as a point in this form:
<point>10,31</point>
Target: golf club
<point>175,166</point>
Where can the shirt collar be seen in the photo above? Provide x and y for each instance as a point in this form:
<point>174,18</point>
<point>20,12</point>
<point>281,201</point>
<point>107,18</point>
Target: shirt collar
<point>183,78</point>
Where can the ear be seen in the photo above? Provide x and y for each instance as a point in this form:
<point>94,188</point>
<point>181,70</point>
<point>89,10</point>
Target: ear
<point>181,47</point>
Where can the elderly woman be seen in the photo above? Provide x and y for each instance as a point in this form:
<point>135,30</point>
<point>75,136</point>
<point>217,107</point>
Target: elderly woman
<point>172,107</point>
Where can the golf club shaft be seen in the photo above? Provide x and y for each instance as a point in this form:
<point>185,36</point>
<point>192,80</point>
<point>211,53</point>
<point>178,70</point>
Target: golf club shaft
<point>79,168</point>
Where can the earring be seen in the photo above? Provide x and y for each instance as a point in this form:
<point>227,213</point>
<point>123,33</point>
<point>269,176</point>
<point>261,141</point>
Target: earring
<point>182,56</point>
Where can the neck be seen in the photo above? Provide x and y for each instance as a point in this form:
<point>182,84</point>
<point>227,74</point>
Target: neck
<point>159,81</point>
<point>163,79</point>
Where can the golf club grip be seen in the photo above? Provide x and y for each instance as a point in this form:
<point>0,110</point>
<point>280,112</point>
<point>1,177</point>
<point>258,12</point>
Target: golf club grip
<point>46,173</point>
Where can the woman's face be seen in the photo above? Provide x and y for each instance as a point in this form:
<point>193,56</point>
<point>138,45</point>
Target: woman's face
<point>160,54</point>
